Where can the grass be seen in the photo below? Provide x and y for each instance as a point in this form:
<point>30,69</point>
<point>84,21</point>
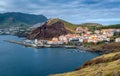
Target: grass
<point>69,26</point>
<point>100,69</point>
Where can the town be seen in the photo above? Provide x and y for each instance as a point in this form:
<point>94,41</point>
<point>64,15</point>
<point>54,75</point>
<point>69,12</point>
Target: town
<point>81,36</point>
<point>17,31</point>
<point>85,36</point>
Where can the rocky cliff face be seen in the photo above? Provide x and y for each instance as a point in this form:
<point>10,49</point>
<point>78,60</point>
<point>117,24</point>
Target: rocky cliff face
<point>48,30</point>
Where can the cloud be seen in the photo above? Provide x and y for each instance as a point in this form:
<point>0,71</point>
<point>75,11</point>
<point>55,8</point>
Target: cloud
<point>76,11</point>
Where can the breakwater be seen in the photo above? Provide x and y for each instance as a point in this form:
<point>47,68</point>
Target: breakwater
<point>42,46</point>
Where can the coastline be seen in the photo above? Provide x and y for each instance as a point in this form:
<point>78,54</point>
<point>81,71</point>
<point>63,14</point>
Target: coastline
<point>41,46</point>
<point>103,49</point>
<point>56,46</point>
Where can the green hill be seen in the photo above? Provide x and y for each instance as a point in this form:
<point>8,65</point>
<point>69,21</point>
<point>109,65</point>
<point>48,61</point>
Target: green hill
<point>69,26</point>
<point>16,19</point>
<point>112,26</point>
<point>91,24</point>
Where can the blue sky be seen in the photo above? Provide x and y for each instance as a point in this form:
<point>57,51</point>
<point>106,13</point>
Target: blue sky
<point>75,11</point>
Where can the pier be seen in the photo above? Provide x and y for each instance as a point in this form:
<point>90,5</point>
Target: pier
<point>23,43</point>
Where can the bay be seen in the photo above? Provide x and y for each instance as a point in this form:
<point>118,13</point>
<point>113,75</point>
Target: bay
<point>17,60</point>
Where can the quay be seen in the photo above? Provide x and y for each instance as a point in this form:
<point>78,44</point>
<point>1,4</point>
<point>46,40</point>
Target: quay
<point>22,43</point>
<point>40,46</point>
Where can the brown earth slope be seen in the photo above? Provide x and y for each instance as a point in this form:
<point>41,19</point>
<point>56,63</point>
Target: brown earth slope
<point>49,30</point>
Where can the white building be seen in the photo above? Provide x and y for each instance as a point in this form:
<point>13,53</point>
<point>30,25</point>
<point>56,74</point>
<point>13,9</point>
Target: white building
<point>54,42</point>
<point>63,39</point>
<point>117,40</point>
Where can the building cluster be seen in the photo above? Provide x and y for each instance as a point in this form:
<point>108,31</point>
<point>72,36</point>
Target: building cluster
<point>82,35</point>
<point>11,30</point>
<point>86,36</point>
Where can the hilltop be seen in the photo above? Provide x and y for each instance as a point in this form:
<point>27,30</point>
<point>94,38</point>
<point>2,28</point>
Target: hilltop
<point>20,19</point>
<point>55,27</point>
<point>68,26</point>
<point>51,28</point>
<point>91,24</point>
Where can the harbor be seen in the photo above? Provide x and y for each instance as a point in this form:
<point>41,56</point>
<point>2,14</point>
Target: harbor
<point>27,44</point>
<point>17,60</point>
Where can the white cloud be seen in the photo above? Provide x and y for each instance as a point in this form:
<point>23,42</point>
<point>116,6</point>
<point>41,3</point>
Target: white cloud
<point>76,11</point>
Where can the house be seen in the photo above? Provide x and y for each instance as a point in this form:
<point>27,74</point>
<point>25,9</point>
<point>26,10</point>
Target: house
<point>97,32</point>
<point>93,38</point>
<point>38,42</point>
<point>54,41</point>
<point>63,39</point>
<point>79,30</point>
<point>108,32</point>
<point>81,39</point>
<point>117,40</point>
<point>88,32</point>
<point>72,37</point>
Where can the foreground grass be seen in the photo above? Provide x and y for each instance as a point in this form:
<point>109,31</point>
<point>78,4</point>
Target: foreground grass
<point>108,66</point>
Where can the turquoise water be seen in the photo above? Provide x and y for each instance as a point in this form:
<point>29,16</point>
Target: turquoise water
<point>17,60</point>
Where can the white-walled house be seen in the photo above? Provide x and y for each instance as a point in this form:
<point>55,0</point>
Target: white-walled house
<point>81,39</point>
<point>63,39</point>
<point>117,40</point>
<point>55,42</point>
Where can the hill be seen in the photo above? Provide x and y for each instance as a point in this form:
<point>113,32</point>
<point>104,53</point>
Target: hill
<point>17,19</point>
<point>105,65</point>
<point>69,26</point>
<point>66,27</point>
<point>51,28</point>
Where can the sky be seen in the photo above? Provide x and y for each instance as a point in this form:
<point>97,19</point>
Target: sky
<point>75,11</point>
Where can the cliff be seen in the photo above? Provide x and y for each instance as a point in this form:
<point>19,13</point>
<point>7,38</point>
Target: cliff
<point>52,28</point>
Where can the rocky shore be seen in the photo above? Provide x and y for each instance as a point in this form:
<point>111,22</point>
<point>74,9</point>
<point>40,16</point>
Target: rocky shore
<point>104,48</point>
<point>100,48</point>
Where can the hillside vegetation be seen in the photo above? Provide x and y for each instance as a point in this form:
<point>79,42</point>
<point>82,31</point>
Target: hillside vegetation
<point>105,65</point>
<point>112,26</point>
<point>69,26</point>
<point>104,48</point>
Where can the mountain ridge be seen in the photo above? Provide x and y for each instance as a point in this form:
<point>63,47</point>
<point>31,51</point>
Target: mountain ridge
<point>16,19</point>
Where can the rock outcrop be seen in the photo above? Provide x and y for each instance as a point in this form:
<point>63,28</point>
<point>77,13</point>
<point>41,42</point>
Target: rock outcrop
<point>50,29</point>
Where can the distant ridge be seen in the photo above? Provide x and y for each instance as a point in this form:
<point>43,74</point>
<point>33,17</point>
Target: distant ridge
<point>91,24</point>
<point>17,19</point>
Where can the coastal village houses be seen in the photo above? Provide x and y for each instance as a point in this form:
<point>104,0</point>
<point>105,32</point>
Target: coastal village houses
<point>117,40</point>
<point>86,36</point>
